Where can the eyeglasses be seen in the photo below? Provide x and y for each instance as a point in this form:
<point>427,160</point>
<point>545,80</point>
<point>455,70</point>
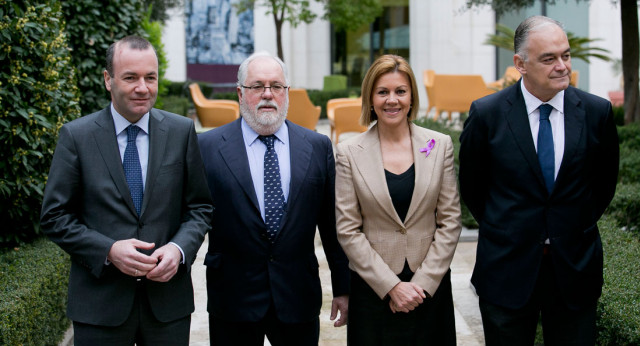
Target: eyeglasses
<point>260,89</point>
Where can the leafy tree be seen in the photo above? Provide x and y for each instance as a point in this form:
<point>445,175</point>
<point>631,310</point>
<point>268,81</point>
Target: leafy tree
<point>153,32</point>
<point>349,15</point>
<point>344,14</point>
<point>159,9</point>
<point>92,25</point>
<point>580,48</point>
<point>38,94</point>
<point>630,46</point>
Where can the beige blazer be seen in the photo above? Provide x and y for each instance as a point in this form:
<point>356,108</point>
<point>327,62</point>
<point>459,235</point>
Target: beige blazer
<point>370,231</point>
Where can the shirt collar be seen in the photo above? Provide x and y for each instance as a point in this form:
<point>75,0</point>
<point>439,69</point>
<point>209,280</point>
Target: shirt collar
<point>250,136</point>
<point>533,102</point>
<point>121,123</point>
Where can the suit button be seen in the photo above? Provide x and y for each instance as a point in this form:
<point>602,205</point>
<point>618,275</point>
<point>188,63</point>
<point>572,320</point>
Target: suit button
<point>271,259</point>
<point>403,231</point>
<point>140,224</point>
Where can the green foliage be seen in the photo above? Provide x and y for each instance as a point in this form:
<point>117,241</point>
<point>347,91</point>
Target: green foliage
<point>160,7</point>
<point>33,294</point>
<point>625,207</point>
<point>467,219</point>
<point>176,104</point>
<point>580,46</point>
<point>350,15</point>
<point>629,138</point>
<point>619,307</point>
<point>320,98</point>
<point>93,25</point>
<point>37,95</point>
<point>295,12</point>
<point>153,31</point>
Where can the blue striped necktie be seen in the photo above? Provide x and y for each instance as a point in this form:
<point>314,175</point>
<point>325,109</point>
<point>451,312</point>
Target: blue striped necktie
<point>132,168</point>
<point>546,155</point>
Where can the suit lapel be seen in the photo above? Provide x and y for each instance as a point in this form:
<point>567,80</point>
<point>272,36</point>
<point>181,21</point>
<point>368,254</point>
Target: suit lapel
<point>368,159</point>
<point>574,116</point>
<point>158,136</point>
<point>424,166</point>
<point>300,151</point>
<point>107,144</point>
<point>234,154</point>
<point>516,114</point>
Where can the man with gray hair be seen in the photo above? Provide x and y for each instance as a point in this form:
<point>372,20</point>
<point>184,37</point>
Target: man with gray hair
<point>538,167</point>
<point>272,183</point>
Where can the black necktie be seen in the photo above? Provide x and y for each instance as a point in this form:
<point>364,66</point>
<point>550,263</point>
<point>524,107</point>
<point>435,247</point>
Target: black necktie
<point>273,196</point>
<point>546,155</point>
<point>132,169</point>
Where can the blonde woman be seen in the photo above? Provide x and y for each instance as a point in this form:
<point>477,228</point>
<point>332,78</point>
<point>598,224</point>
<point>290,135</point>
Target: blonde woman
<point>398,216</point>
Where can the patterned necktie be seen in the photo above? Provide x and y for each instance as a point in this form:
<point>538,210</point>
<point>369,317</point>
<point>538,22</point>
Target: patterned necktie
<point>132,169</point>
<point>546,155</point>
<point>273,196</point>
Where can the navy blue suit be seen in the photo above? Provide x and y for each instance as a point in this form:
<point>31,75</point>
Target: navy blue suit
<point>245,272</point>
<point>502,184</point>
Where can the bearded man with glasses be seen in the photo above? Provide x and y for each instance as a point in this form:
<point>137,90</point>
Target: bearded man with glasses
<point>272,183</point>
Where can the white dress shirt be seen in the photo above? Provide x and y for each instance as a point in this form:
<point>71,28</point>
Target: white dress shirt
<point>556,118</point>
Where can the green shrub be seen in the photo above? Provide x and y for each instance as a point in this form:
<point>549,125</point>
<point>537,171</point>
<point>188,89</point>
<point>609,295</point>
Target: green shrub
<point>619,307</point>
<point>93,25</point>
<point>33,294</point>
<point>176,104</point>
<point>153,31</point>
<point>618,115</point>
<point>629,138</point>
<point>320,98</point>
<point>625,206</point>
<point>37,95</point>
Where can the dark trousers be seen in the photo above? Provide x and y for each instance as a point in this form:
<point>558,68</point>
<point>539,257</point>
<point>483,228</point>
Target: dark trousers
<point>560,324</point>
<point>371,321</point>
<point>140,328</point>
<point>227,333</point>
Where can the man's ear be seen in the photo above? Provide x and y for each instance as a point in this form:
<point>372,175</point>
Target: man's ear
<point>518,62</point>
<point>107,80</point>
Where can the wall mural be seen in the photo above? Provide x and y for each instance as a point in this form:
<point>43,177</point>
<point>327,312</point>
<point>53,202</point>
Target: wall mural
<point>217,34</point>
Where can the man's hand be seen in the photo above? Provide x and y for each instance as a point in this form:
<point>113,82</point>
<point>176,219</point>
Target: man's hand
<point>405,297</point>
<point>341,304</point>
<point>168,258</point>
<point>125,256</point>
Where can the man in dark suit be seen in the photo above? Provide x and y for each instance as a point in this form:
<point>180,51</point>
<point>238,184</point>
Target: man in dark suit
<point>272,183</point>
<point>538,167</point>
<point>126,198</point>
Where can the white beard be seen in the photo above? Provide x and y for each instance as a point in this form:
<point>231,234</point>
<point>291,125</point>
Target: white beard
<point>265,123</point>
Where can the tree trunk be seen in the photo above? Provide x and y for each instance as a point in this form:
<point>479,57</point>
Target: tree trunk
<point>630,59</point>
<point>278,19</point>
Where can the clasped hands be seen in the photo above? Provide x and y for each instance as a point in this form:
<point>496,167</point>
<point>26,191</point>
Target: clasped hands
<point>405,297</point>
<point>160,266</point>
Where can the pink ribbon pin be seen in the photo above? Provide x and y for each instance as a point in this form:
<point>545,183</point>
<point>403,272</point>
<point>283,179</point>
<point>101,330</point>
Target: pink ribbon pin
<point>427,150</point>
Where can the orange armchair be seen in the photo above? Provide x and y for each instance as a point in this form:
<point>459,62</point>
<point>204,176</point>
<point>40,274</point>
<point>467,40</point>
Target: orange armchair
<point>347,119</point>
<point>454,93</point>
<point>331,106</point>
<point>213,113</point>
<point>301,111</point>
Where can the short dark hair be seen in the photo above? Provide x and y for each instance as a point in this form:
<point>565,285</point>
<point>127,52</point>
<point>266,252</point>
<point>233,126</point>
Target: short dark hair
<point>133,42</point>
<point>522,33</point>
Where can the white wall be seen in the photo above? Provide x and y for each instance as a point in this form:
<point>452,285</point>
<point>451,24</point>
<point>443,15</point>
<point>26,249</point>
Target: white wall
<point>448,40</point>
<point>604,20</point>
<point>173,38</point>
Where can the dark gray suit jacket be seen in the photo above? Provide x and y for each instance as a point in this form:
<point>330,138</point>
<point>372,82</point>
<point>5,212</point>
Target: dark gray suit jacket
<point>87,207</point>
<point>501,182</point>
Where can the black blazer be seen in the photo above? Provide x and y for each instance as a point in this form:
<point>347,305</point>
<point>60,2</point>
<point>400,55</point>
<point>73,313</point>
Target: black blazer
<point>87,207</point>
<point>501,182</point>
<point>244,271</point>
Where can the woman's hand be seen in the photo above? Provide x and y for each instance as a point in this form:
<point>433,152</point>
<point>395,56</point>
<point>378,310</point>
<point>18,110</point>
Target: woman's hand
<point>405,297</point>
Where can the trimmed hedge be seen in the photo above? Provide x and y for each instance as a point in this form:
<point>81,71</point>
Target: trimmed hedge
<point>33,294</point>
<point>619,307</point>
<point>625,207</point>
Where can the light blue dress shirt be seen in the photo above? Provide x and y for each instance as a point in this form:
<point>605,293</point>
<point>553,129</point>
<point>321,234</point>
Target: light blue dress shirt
<point>255,153</point>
